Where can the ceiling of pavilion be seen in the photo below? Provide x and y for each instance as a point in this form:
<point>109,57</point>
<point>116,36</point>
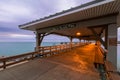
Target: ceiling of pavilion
<point>94,9</point>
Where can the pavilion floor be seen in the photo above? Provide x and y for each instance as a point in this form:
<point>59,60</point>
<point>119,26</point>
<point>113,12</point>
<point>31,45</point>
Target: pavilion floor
<point>74,65</point>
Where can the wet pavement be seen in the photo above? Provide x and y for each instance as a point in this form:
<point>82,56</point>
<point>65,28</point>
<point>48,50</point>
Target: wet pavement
<point>74,65</point>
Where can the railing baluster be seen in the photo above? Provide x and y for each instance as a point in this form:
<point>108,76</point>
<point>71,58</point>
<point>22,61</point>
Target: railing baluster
<point>32,56</point>
<point>41,50</point>
<point>50,50</point>
<point>4,64</point>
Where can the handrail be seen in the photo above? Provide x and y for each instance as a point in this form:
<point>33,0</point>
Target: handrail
<point>7,61</point>
<point>109,70</point>
<point>57,48</point>
<point>103,69</point>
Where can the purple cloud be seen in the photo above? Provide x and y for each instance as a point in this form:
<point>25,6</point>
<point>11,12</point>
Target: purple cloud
<point>16,12</point>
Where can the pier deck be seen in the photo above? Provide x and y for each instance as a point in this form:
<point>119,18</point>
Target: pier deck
<point>74,65</point>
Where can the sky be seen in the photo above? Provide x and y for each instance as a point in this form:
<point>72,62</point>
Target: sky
<point>16,12</point>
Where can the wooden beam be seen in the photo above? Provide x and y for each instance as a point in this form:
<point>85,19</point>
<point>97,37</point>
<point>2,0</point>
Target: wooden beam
<point>98,26</point>
<point>71,38</point>
<point>57,28</point>
<point>41,37</point>
<point>97,36</point>
<point>94,22</point>
<point>60,34</point>
<point>106,37</point>
<point>37,39</point>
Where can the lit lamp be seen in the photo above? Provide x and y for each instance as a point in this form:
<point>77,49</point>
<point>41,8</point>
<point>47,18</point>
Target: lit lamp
<point>78,33</point>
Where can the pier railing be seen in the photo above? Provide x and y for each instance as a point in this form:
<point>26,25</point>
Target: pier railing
<point>8,61</point>
<point>41,52</point>
<point>109,71</point>
<point>50,50</point>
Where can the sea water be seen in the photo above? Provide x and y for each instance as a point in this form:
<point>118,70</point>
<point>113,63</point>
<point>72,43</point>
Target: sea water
<point>16,48</point>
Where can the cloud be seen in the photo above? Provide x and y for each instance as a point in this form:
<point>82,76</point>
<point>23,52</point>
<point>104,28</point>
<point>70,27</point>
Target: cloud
<point>20,36</point>
<point>9,12</point>
<point>8,37</point>
<point>16,12</point>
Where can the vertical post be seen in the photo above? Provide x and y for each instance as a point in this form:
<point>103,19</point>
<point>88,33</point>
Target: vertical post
<point>37,41</point>
<point>112,44</point>
<point>42,35</point>
<point>43,49</point>
<point>80,40</point>
<point>56,50</point>
<point>4,64</point>
<point>60,48</point>
<point>71,42</point>
<point>106,37</point>
<point>50,50</point>
<point>84,41</point>
<point>118,50</point>
<point>32,56</point>
<point>118,19</point>
<point>39,38</point>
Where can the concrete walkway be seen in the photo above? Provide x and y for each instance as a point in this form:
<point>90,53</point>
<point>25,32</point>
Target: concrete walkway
<point>74,65</point>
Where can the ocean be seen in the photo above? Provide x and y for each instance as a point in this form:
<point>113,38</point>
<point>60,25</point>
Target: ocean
<point>15,48</point>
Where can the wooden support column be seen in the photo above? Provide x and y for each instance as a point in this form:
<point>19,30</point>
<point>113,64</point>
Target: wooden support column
<point>106,37</point>
<point>103,28</point>
<point>70,42</point>
<point>113,55</point>
<point>71,39</point>
<point>39,38</point>
<point>118,19</point>
<point>79,39</point>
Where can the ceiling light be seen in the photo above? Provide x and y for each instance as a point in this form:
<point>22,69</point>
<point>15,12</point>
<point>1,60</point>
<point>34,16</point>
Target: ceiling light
<point>78,33</point>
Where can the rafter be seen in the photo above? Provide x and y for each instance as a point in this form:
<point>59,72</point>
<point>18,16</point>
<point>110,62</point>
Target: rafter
<point>98,37</point>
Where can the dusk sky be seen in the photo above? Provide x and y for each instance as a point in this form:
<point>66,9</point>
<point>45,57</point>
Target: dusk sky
<point>16,12</point>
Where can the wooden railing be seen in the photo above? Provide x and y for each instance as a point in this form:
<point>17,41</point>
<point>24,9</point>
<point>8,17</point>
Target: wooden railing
<point>109,69</point>
<point>50,50</point>
<point>7,61</point>
<point>42,51</point>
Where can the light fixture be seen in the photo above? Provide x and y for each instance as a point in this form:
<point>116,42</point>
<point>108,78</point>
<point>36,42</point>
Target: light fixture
<point>78,33</point>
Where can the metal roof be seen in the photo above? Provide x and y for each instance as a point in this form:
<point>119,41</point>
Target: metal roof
<point>89,10</point>
<point>95,9</point>
<point>64,11</point>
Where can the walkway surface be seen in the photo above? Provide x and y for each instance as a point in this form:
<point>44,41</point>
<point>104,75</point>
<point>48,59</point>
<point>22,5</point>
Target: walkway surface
<point>74,65</point>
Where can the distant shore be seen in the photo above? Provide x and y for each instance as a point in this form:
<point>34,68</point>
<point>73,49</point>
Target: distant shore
<point>2,57</point>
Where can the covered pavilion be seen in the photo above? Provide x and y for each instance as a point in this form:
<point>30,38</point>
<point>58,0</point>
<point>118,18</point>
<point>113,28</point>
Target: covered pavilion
<point>91,21</point>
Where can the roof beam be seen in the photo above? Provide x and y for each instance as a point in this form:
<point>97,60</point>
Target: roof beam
<point>97,36</point>
<point>84,23</point>
<point>69,11</point>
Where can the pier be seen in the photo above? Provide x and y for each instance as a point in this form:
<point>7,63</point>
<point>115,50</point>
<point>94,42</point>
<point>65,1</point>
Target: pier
<point>72,64</point>
<point>61,62</point>
<point>94,24</point>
